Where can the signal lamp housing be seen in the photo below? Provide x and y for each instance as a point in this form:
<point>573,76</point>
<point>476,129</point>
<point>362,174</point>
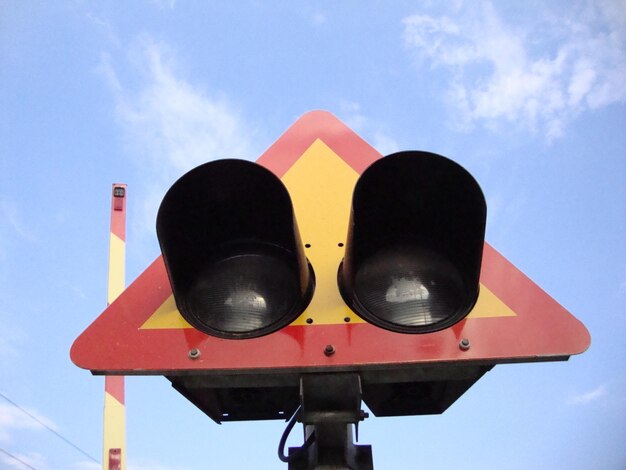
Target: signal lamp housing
<point>232,250</point>
<point>414,246</point>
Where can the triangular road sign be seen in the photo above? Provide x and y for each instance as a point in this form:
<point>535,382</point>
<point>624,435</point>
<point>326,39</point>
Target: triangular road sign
<point>319,160</point>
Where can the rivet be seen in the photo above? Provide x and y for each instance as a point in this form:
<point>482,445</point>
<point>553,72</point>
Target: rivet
<point>194,353</point>
<point>329,350</point>
<point>464,344</point>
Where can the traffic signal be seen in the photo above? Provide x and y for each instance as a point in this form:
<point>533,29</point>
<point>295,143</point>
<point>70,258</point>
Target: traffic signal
<point>236,263</point>
<point>237,269</point>
<point>415,242</point>
<point>232,250</point>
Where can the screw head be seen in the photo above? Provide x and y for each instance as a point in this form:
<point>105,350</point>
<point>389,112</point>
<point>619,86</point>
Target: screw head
<point>464,344</point>
<point>194,353</point>
<point>329,350</point>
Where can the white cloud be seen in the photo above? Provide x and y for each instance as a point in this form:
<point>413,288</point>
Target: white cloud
<point>9,340</point>
<point>12,225</point>
<point>588,397</point>
<point>176,122</point>
<point>163,4</point>
<point>104,27</point>
<point>143,464</point>
<point>11,418</point>
<point>318,18</point>
<point>87,465</point>
<point>384,143</point>
<point>22,461</point>
<point>372,132</point>
<point>170,124</point>
<point>11,217</point>
<point>536,75</point>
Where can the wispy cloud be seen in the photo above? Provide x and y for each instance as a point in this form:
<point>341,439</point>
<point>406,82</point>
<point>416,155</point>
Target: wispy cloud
<point>177,125</point>
<point>105,28</point>
<point>9,341</point>
<point>12,225</point>
<point>11,418</point>
<point>170,124</point>
<point>374,133</point>
<point>536,75</point>
<point>318,18</point>
<point>20,461</point>
<point>144,464</point>
<point>588,397</point>
<point>87,465</point>
<point>164,4</point>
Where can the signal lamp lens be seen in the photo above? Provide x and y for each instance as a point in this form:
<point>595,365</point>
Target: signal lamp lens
<point>245,295</point>
<point>406,288</point>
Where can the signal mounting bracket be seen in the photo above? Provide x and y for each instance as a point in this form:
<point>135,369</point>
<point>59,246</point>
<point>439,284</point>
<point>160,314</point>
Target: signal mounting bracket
<point>331,404</point>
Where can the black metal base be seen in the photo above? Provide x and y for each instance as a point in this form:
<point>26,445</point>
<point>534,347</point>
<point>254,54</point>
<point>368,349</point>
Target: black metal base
<point>331,406</point>
<point>359,457</point>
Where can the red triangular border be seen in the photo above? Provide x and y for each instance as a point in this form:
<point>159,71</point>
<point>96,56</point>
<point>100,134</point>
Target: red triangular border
<point>541,330</point>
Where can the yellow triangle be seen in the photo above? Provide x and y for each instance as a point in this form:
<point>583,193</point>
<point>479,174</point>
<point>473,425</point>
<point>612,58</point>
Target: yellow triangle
<point>488,305</point>
<point>320,184</point>
<point>166,316</point>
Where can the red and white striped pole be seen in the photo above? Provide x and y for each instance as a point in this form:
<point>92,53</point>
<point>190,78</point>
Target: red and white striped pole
<point>114,435</point>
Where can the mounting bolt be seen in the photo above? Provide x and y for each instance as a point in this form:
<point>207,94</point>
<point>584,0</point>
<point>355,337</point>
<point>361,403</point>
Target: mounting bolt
<point>329,350</point>
<point>194,353</point>
<point>464,344</point>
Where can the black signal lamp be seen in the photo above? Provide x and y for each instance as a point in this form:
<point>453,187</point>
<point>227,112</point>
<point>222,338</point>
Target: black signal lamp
<point>414,250</point>
<point>232,250</point>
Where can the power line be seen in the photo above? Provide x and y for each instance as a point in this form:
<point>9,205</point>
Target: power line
<point>67,441</point>
<point>16,458</point>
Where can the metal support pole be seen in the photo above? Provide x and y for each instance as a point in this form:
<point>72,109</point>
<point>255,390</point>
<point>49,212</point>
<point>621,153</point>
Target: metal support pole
<point>331,406</point>
<point>114,420</point>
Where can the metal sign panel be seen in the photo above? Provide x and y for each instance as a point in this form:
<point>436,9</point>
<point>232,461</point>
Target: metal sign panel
<point>319,160</point>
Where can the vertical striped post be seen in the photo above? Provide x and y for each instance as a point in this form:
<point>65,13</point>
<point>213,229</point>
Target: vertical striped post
<point>114,436</point>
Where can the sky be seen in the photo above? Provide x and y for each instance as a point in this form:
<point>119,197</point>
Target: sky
<point>529,96</point>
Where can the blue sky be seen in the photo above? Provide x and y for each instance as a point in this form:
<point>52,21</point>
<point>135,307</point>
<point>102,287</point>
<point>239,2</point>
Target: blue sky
<point>529,96</point>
